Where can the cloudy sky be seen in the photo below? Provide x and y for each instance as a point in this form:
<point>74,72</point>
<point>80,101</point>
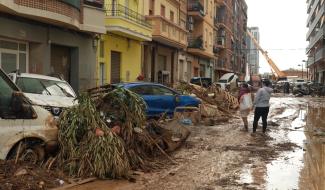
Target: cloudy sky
<point>282,25</point>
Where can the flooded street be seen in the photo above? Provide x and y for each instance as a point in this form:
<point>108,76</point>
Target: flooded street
<point>290,156</point>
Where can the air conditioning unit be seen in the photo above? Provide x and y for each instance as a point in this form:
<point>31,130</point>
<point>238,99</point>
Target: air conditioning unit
<point>165,72</point>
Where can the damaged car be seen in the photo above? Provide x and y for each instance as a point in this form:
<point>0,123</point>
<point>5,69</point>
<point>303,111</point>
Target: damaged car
<point>52,93</point>
<point>27,132</point>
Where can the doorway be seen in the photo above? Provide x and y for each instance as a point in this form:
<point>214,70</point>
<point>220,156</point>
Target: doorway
<point>61,62</point>
<point>115,67</point>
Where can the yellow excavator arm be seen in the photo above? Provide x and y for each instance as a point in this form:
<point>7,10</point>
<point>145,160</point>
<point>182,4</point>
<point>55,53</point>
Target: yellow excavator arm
<point>277,71</point>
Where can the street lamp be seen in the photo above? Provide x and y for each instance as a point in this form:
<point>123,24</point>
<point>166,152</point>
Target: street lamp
<point>302,69</point>
<point>306,62</point>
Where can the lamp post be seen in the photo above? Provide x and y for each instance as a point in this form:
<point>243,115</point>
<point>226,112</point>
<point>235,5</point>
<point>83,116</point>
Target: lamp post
<point>306,62</point>
<point>302,69</point>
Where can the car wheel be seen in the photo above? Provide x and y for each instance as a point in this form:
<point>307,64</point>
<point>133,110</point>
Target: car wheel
<point>28,151</point>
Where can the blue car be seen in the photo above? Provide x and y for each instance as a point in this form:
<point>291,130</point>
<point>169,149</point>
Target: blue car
<point>159,98</point>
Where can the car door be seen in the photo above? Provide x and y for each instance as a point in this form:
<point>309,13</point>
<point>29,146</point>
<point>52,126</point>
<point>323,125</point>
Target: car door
<point>163,99</point>
<point>159,99</point>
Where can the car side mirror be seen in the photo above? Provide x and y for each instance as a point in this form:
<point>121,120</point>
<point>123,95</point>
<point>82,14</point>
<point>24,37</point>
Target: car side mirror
<point>21,106</point>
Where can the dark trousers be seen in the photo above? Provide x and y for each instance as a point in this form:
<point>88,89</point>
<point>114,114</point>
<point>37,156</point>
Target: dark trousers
<point>260,112</point>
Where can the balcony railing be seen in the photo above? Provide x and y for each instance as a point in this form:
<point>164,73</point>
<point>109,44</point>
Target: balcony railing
<point>167,29</point>
<point>196,42</point>
<point>122,11</point>
<point>320,54</point>
<point>220,19</point>
<point>195,5</point>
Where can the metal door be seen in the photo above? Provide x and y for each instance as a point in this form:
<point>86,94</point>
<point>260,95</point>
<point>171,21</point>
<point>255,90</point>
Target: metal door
<point>115,67</point>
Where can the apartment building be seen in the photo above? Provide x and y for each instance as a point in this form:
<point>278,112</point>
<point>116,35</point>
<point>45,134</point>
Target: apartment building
<point>316,38</point>
<point>162,54</point>
<point>201,37</point>
<point>252,51</point>
<point>230,46</point>
<point>51,37</point>
<point>120,54</point>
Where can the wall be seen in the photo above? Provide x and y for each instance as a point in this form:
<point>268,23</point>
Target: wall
<point>130,56</point>
<point>42,36</point>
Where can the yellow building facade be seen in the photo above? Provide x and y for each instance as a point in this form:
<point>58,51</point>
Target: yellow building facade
<point>120,49</point>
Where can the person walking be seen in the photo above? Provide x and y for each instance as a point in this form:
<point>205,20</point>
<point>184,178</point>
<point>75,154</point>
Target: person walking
<point>245,103</point>
<point>262,105</point>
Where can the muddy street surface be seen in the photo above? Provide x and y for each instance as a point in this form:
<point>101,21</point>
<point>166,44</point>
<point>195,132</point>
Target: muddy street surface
<point>290,156</point>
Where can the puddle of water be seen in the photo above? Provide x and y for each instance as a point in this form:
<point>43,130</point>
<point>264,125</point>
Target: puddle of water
<point>312,175</point>
<point>284,172</point>
<point>286,113</point>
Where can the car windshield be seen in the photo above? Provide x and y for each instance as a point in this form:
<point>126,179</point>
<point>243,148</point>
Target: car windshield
<point>46,87</point>
<point>222,81</point>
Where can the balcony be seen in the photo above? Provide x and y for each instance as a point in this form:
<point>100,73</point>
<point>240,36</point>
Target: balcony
<point>320,55</point>
<point>316,21</point>
<point>196,42</point>
<point>126,22</point>
<point>46,11</point>
<point>196,47</point>
<point>319,35</point>
<point>167,32</point>
<point>195,9</point>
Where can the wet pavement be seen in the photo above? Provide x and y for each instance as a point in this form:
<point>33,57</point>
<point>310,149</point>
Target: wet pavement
<point>291,156</point>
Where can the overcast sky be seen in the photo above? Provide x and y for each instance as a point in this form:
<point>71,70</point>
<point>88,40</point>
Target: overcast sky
<point>282,25</point>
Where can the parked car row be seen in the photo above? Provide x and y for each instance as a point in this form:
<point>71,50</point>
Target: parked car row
<point>30,104</point>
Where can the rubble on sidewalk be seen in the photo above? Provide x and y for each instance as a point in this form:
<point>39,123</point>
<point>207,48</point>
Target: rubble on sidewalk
<point>22,175</point>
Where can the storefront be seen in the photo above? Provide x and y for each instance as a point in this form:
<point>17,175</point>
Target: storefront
<point>33,47</point>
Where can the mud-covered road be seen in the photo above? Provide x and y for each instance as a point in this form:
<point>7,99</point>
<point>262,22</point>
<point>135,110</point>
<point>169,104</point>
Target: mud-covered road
<point>290,156</point>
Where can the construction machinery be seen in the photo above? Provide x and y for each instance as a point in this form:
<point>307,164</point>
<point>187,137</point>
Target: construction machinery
<point>277,73</point>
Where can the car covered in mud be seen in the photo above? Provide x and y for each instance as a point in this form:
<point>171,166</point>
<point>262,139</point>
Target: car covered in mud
<point>54,94</point>
<point>27,131</point>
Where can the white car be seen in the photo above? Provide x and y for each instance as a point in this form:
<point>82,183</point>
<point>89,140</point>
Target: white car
<point>51,93</point>
<point>300,82</point>
<point>27,131</point>
<point>228,81</point>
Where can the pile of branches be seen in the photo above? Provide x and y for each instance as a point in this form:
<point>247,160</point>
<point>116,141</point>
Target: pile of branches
<point>218,102</point>
<point>87,146</point>
<point>107,134</point>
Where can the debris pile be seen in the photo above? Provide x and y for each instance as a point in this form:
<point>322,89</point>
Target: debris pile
<point>107,134</point>
<point>217,104</point>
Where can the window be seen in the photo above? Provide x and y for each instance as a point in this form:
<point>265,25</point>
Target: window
<point>172,16</point>
<point>206,38</point>
<point>162,10</point>
<point>101,49</point>
<point>161,91</point>
<point>210,39</point>
<point>142,90</point>
<point>13,56</point>
<point>151,7</point>
<point>101,73</point>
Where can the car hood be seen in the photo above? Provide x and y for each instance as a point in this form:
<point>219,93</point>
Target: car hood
<point>53,101</point>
